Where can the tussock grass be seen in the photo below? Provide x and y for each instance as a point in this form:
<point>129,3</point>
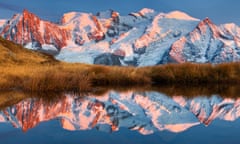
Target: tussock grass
<point>22,69</point>
<point>105,75</point>
<point>44,78</point>
<point>195,74</point>
<point>67,77</point>
<point>80,77</point>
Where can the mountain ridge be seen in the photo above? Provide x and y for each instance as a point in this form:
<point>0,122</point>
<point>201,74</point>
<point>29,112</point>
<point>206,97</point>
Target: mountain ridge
<point>142,38</point>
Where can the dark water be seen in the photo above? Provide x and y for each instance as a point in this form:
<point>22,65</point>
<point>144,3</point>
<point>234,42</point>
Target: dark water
<point>121,118</point>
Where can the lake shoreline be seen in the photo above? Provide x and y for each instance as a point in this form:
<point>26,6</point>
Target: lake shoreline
<point>61,76</point>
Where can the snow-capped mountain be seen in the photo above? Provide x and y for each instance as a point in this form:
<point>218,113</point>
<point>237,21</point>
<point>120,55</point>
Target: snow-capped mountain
<point>32,32</point>
<point>146,112</point>
<point>141,38</point>
<point>208,43</point>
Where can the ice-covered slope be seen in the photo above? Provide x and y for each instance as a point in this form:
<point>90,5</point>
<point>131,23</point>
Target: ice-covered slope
<point>141,38</point>
<point>208,43</point>
<point>145,112</point>
<point>131,39</point>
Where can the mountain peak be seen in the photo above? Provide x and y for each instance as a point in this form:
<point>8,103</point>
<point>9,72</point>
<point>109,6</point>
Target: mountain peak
<point>180,15</point>
<point>202,26</point>
<point>68,17</point>
<point>27,15</point>
<point>145,11</point>
<point>207,20</point>
<point>230,26</point>
<point>25,11</point>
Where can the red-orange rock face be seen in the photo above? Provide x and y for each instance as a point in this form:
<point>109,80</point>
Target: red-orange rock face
<point>30,28</point>
<point>202,26</point>
<point>30,114</point>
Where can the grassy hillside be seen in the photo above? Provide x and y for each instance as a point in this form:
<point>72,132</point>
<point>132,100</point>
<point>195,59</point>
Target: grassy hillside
<point>11,53</point>
<point>22,69</point>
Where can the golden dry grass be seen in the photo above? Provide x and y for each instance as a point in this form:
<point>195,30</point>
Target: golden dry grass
<point>195,74</point>
<point>80,77</point>
<point>67,77</point>
<point>22,69</point>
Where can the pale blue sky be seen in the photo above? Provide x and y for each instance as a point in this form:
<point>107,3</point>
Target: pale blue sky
<point>220,11</point>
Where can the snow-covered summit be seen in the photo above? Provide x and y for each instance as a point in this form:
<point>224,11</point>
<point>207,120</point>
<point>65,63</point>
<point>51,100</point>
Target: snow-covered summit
<point>145,12</point>
<point>68,17</point>
<point>180,15</point>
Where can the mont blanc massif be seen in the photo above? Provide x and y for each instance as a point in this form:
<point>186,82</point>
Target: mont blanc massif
<point>142,38</point>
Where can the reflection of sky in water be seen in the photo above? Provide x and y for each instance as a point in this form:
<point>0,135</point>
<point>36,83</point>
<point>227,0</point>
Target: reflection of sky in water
<point>123,118</point>
<point>51,132</point>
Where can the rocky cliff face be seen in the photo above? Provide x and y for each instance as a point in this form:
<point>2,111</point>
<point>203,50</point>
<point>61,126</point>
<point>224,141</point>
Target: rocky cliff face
<point>145,112</point>
<point>29,30</point>
<point>141,38</point>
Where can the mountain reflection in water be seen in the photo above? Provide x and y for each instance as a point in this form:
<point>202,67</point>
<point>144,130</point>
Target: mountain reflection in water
<point>145,112</point>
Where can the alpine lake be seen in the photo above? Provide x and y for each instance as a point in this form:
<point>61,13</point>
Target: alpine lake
<point>163,115</point>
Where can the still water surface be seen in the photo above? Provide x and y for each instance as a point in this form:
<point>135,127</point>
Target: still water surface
<point>122,118</point>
